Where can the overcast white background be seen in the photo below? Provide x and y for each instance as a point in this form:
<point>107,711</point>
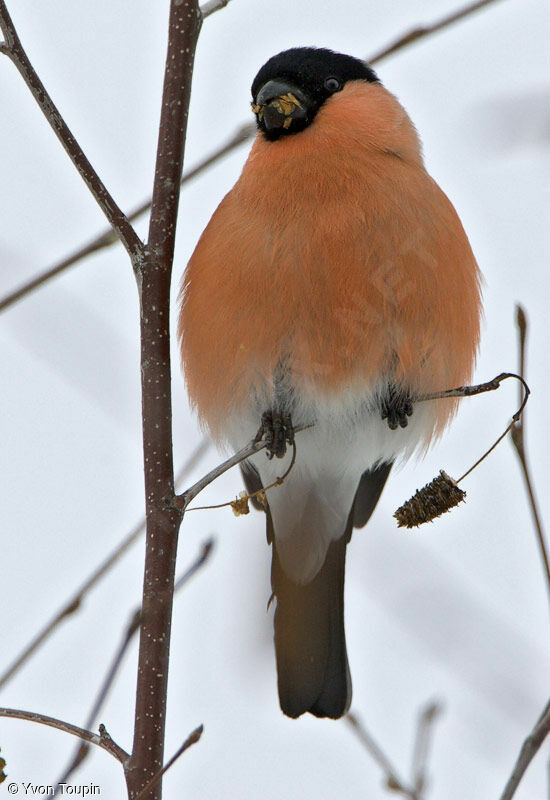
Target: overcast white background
<point>456,610</point>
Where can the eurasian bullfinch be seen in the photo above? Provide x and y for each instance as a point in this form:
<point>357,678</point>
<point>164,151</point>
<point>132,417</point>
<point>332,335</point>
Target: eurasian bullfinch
<point>333,285</point>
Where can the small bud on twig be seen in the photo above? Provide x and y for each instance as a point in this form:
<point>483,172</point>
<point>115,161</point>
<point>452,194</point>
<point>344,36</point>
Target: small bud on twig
<point>240,505</point>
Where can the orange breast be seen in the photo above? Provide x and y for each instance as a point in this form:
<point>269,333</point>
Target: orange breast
<point>336,254</point>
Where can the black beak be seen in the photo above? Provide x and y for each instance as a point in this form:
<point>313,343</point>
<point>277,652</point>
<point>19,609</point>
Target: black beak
<point>278,104</point>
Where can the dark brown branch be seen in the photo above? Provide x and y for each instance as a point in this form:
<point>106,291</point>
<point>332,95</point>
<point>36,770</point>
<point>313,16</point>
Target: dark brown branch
<point>75,602</point>
<point>13,48</point>
<point>192,739</point>
<point>528,751</point>
<point>153,278</point>
<point>517,434</point>
<point>422,31</point>
<point>101,739</point>
<point>132,628</point>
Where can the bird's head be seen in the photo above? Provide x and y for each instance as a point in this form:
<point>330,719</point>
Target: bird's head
<point>291,87</point>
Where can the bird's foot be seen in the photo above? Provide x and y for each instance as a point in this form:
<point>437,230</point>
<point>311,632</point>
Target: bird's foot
<point>277,430</point>
<point>396,407</point>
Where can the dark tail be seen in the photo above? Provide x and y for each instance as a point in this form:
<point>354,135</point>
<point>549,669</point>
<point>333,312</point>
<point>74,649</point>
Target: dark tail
<point>310,642</point>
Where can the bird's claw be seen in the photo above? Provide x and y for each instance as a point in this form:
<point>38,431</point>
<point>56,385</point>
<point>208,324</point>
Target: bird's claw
<point>396,408</point>
<point>277,430</point>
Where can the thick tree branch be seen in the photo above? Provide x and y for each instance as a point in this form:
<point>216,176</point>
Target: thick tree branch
<point>101,739</point>
<point>13,48</point>
<point>153,277</point>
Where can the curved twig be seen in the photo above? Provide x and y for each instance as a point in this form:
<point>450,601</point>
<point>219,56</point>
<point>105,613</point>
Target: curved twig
<point>101,739</point>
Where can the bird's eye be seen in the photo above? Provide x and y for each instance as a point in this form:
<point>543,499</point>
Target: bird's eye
<point>332,84</point>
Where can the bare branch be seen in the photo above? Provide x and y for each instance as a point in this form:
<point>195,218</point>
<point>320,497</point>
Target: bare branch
<point>528,751</point>
<point>471,391</point>
<point>192,739</point>
<point>517,435</point>
<point>153,277</point>
<point>422,31</point>
<point>422,741</point>
<point>181,501</point>
<point>102,739</point>
<point>75,602</point>
<point>14,50</point>
<point>393,781</point>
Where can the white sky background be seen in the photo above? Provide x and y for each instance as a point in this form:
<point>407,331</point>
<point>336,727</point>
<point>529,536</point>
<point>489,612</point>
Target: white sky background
<point>456,610</point>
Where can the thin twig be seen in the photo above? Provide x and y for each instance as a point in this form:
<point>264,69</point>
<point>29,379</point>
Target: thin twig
<point>75,602</point>
<point>528,751</point>
<point>393,781</point>
<point>192,739</point>
<point>13,48</point>
<point>135,621</point>
<point>102,739</point>
<point>108,237</point>
<point>244,497</point>
<point>181,501</point>
<point>514,420</point>
<point>517,435</point>
<point>426,30</point>
<point>471,391</point>
<point>424,732</point>
<point>480,388</point>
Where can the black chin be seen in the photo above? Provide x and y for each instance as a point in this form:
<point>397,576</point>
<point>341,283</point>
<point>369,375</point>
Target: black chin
<point>272,128</point>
